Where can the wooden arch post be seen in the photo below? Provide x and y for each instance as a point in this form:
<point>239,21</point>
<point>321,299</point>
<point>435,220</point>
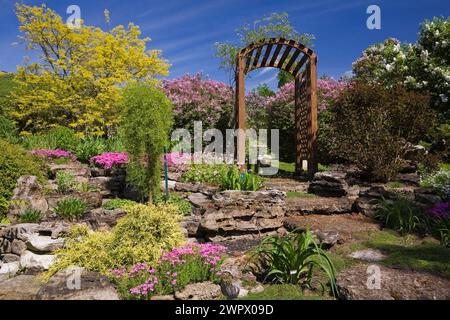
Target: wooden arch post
<point>301,62</point>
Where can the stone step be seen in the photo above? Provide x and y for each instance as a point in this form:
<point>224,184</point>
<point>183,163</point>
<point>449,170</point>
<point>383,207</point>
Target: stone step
<point>318,205</point>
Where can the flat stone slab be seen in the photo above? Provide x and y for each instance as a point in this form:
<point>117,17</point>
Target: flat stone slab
<point>369,255</point>
<point>23,287</point>
<point>286,185</point>
<point>351,227</point>
<point>9,269</point>
<point>394,284</point>
<point>199,291</point>
<point>30,260</point>
<point>78,284</point>
<point>318,205</point>
<point>39,243</point>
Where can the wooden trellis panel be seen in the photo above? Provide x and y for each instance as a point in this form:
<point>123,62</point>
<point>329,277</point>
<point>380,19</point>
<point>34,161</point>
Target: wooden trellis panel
<point>292,57</point>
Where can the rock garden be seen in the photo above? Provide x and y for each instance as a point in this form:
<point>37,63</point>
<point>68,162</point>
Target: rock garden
<point>96,203</point>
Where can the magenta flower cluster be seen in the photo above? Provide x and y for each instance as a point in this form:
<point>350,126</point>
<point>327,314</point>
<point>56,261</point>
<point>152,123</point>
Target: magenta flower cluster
<point>110,159</point>
<point>146,280</point>
<point>54,154</point>
<point>175,159</point>
<point>210,253</point>
<point>440,210</point>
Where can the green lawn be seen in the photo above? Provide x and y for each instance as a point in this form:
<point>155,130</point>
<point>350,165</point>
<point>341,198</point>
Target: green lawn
<point>287,167</point>
<point>402,251</point>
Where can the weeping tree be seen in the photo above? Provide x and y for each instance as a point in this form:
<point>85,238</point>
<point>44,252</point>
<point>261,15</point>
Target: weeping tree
<point>145,124</point>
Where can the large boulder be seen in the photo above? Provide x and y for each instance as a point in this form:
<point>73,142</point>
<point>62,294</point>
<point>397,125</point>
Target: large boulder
<point>233,214</point>
<point>78,284</point>
<point>103,219</point>
<point>28,194</point>
<point>75,168</point>
<point>191,223</point>
<point>23,287</point>
<point>43,244</point>
<point>32,261</point>
<point>199,291</point>
<point>329,184</point>
<point>395,284</point>
<point>108,186</point>
<point>369,200</point>
<point>9,269</point>
<point>426,196</point>
<point>19,231</point>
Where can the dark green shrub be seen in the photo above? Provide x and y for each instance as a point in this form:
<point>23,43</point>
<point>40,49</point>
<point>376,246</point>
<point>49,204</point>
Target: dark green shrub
<point>71,208</point>
<point>61,138</point>
<point>372,126</point>
<point>293,258</point>
<point>15,162</point>
<point>30,216</point>
<point>146,121</point>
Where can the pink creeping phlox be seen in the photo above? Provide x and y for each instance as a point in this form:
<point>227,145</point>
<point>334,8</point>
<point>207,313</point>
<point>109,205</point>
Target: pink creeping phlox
<point>110,159</point>
<point>210,254</point>
<point>54,154</point>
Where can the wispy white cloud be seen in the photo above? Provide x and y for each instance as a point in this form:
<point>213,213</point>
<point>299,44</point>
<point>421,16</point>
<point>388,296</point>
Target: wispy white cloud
<point>263,72</point>
<point>182,15</point>
<point>179,42</point>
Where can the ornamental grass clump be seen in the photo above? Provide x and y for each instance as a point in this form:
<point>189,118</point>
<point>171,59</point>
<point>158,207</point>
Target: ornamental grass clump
<point>294,258</point>
<point>175,269</point>
<point>400,214</point>
<point>71,208</point>
<point>235,180</point>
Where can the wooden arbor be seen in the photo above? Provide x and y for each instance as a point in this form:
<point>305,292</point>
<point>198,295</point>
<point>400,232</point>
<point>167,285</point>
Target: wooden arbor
<point>301,62</point>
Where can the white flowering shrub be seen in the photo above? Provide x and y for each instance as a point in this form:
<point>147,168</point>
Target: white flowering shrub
<point>423,66</point>
<point>438,181</point>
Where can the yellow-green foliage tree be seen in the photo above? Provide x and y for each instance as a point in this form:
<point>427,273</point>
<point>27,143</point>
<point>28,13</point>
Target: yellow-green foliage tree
<point>76,81</point>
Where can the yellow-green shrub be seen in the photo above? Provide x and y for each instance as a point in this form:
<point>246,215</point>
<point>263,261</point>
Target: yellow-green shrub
<point>140,236</point>
<point>15,162</point>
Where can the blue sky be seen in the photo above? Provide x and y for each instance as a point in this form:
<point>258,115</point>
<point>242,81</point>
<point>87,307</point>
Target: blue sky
<point>186,30</point>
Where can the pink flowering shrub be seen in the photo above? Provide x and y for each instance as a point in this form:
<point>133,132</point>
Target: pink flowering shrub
<point>110,159</point>
<point>196,98</point>
<point>175,269</point>
<point>54,154</point>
